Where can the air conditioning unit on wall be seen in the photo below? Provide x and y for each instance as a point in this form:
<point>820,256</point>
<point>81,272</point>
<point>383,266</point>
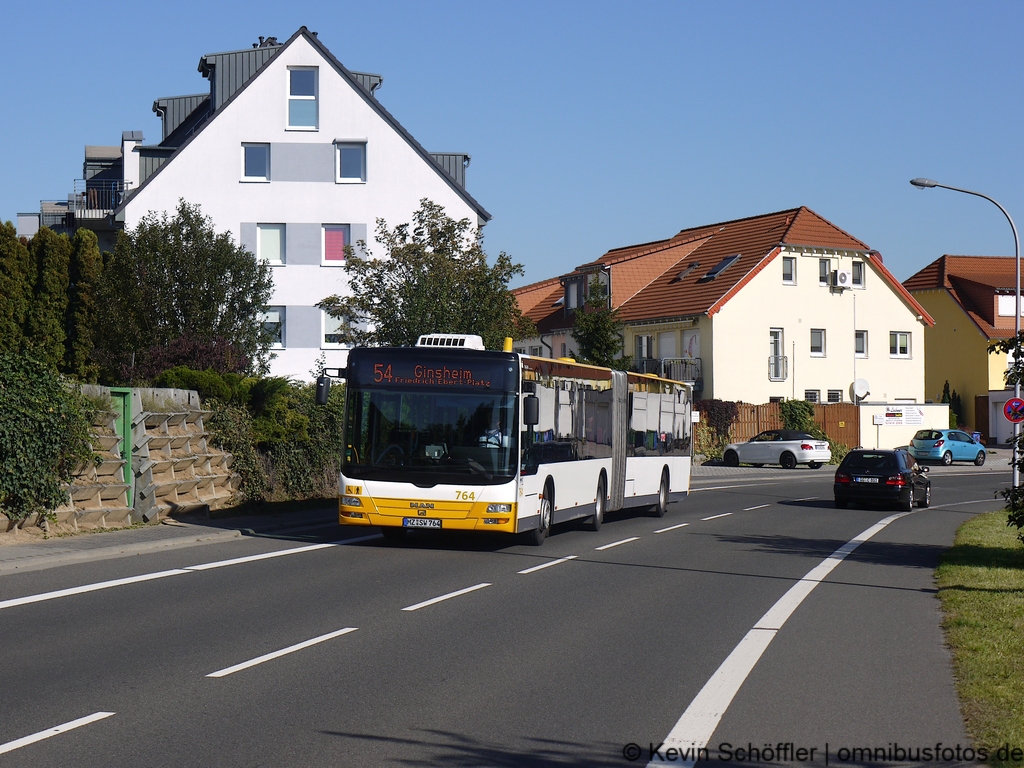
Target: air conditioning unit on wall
<point>842,278</point>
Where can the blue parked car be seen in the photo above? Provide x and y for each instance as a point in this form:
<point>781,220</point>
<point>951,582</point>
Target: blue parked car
<point>947,446</point>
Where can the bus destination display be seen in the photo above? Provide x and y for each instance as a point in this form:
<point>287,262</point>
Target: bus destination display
<point>384,371</point>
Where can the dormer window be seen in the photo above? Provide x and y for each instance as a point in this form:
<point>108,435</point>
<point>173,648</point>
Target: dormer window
<point>302,98</point>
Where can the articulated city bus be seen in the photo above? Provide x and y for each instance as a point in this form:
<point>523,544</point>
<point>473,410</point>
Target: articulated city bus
<point>449,436</point>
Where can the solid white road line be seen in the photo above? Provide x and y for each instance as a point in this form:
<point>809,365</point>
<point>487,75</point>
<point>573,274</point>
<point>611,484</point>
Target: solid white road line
<point>694,729</point>
<point>808,498</point>
<point>715,517</point>
<point>254,558</point>
<point>283,652</point>
<point>88,588</point>
<point>10,746</point>
<point>449,596</point>
<point>759,506</point>
<point>548,565</point>
<point>671,528</point>
<point>360,538</point>
<point>616,543</point>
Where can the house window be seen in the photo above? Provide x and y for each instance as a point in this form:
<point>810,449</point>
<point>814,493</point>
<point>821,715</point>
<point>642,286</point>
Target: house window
<point>336,237</point>
<point>789,270</point>
<point>858,274</point>
<point>835,395</point>
<point>302,97</point>
<point>270,246</point>
<point>818,342</point>
<point>860,343</point>
<point>332,338</point>
<point>534,351</point>
<point>273,326</point>
<point>824,271</point>
<point>350,162</point>
<point>255,162</point>
<point>563,349</point>
<point>899,344</point>
<point>776,399</point>
<point>777,369</point>
<point>812,395</point>
<point>644,347</point>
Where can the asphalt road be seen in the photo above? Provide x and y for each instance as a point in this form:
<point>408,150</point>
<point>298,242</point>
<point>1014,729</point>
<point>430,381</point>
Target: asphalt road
<point>339,654</point>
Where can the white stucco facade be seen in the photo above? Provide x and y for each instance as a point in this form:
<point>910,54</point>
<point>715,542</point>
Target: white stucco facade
<point>742,335</point>
<point>303,191</point>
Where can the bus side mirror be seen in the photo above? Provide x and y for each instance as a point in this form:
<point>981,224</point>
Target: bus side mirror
<point>323,389</point>
<point>531,410</point>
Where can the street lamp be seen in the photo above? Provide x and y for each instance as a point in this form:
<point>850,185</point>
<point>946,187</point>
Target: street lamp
<point>928,184</point>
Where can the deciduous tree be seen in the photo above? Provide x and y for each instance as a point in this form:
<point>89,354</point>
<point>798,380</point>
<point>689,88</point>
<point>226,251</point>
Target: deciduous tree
<point>598,330</point>
<point>433,277</point>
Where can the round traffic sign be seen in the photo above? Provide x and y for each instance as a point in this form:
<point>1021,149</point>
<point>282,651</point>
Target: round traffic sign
<point>1014,410</point>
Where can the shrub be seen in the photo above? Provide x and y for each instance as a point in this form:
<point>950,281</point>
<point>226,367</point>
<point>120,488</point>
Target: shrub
<point>208,383</point>
<point>718,415</point>
<point>798,415</point>
<point>44,436</point>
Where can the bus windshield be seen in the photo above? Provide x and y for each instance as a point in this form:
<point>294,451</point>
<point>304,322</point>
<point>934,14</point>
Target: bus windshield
<point>428,436</point>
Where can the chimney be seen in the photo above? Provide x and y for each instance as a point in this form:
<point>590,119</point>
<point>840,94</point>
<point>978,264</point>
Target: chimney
<point>130,159</point>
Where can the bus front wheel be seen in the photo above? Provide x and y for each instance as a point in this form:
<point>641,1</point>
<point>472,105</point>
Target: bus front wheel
<point>547,505</point>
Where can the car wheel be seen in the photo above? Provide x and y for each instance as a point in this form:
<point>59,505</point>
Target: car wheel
<point>925,500</point>
<point>842,503</point>
<point>600,503</point>
<point>947,458</point>
<point>547,504</point>
<point>731,459</point>
<point>814,464</point>
<point>908,504</point>
<point>661,507</point>
<point>979,460</point>
<point>787,460</point>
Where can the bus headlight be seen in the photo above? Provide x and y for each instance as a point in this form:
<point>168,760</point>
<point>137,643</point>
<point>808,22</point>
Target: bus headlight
<point>497,509</point>
<point>351,501</point>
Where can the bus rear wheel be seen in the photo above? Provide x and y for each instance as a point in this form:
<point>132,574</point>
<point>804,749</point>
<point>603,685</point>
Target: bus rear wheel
<point>547,505</point>
<point>600,504</point>
<point>661,507</point>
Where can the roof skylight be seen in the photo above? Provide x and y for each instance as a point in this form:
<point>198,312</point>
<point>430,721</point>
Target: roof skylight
<point>720,267</point>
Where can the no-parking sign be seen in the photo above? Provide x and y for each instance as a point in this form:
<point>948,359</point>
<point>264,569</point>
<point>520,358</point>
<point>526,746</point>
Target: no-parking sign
<point>1014,410</point>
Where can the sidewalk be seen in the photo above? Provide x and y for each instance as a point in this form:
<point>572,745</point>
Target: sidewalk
<point>36,553</point>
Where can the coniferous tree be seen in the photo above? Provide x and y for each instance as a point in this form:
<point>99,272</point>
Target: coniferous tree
<point>15,287</point>
<point>598,330</point>
<point>50,258</point>
<point>86,268</point>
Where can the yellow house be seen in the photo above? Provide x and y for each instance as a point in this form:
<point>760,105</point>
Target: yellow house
<point>780,306</point>
<point>972,301</point>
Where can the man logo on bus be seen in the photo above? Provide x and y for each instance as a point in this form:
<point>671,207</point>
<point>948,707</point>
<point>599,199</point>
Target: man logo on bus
<point>421,504</point>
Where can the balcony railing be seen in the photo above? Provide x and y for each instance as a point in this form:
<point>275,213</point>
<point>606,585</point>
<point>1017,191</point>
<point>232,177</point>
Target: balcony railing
<point>678,368</point>
<point>778,368</point>
<point>95,199</point>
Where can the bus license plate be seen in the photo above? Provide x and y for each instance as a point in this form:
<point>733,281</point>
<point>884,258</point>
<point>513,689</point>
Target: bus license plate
<point>421,522</point>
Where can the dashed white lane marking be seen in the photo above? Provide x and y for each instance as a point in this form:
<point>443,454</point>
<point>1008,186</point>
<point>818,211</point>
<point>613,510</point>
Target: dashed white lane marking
<point>759,506</point>
<point>283,652</point>
<point>172,572</point>
<point>671,528</point>
<point>449,596</point>
<point>694,729</point>
<point>616,543</point>
<point>715,517</point>
<point>10,746</point>
<point>89,588</point>
<point>548,565</point>
<point>254,558</point>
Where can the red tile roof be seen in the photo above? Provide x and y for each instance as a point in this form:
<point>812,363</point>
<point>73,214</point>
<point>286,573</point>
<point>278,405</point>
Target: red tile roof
<point>972,281</point>
<point>652,281</point>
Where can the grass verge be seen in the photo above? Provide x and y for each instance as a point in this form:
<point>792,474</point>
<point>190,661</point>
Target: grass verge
<point>981,585</point>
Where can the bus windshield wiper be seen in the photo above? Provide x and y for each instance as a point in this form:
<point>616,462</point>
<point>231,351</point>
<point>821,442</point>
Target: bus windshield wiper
<point>478,468</point>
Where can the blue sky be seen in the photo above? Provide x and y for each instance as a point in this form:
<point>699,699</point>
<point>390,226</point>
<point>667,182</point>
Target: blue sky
<point>593,125</point>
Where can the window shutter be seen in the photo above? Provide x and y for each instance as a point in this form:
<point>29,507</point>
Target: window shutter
<point>335,240</point>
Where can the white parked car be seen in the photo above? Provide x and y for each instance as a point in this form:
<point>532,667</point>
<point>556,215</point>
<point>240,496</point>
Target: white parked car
<point>779,446</point>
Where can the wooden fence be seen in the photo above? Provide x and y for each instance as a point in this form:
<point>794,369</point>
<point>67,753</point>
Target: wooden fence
<point>840,421</point>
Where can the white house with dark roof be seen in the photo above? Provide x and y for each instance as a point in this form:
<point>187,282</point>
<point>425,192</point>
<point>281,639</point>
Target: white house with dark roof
<point>293,154</point>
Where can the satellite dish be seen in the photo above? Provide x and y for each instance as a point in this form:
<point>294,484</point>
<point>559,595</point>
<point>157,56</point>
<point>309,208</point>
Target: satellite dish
<point>860,389</point>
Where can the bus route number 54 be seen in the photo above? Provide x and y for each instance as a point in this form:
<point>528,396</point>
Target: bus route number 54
<point>380,372</point>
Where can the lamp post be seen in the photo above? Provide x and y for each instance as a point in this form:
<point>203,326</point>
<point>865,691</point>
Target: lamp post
<point>928,184</point>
